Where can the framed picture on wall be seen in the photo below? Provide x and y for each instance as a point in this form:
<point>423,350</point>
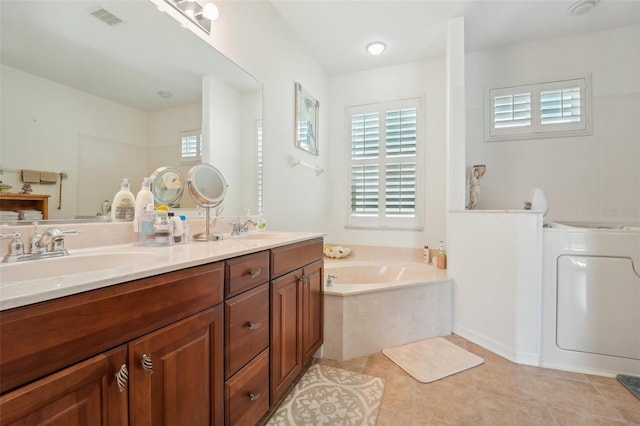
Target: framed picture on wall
<point>307,113</point>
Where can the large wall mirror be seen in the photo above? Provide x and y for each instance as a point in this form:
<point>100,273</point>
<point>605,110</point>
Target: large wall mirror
<point>107,90</point>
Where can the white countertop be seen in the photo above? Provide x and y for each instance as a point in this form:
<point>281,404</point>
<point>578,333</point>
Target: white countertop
<point>21,283</point>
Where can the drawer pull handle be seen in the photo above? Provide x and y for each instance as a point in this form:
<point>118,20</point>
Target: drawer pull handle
<point>254,325</point>
<point>122,376</point>
<point>254,396</point>
<point>146,363</point>
<point>255,272</point>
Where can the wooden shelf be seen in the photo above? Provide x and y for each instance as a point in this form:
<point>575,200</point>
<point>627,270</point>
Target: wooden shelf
<point>15,202</point>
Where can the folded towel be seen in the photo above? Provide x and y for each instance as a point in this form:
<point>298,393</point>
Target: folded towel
<point>30,176</point>
<point>48,177</point>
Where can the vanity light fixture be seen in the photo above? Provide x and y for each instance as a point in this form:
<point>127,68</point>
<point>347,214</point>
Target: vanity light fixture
<point>376,47</point>
<point>582,7</point>
<point>200,12</point>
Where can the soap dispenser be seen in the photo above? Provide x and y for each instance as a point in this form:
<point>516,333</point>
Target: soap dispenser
<point>144,198</point>
<point>442,257</point>
<point>124,203</point>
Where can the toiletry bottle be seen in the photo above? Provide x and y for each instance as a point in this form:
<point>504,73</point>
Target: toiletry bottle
<point>442,257</point>
<point>178,229</point>
<point>163,229</point>
<point>426,254</point>
<point>124,204</point>
<point>262,223</point>
<point>143,198</point>
<point>147,231</point>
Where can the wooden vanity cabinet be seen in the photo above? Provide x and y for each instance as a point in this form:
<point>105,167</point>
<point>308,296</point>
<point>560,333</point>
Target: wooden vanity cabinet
<point>58,362</point>
<point>296,311</point>
<point>246,311</point>
<point>83,394</point>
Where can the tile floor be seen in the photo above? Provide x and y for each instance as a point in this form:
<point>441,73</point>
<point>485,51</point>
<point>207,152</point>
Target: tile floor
<point>497,392</point>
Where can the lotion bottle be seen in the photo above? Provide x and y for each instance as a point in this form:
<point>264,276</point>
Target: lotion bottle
<point>442,257</point>
<point>143,198</point>
<point>124,204</point>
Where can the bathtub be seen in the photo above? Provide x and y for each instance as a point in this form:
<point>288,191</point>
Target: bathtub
<point>591,298</point>
<point>373,305</point>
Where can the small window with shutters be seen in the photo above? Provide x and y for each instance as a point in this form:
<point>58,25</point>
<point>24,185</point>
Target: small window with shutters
<point>385,168</point>
<point>543,110</point>
<point>191,148</point>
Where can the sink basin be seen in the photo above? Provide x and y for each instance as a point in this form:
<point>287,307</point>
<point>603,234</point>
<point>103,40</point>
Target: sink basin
<point>73,264</point>
<point>264,235</point>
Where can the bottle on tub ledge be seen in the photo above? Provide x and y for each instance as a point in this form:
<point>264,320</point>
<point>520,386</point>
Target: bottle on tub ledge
<point>426,254</point>
<point>441,257</point>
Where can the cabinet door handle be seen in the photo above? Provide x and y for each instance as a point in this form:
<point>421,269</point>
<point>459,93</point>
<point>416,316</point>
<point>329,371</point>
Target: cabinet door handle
<point>122,376</point>
<point>146,363</point>
<point>254,325</point>
<point>255,272</point>
<point>304,279</point>
<point>254,396</point>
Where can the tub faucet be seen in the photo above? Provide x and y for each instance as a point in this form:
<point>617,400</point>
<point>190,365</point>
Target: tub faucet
<point>329,278</point>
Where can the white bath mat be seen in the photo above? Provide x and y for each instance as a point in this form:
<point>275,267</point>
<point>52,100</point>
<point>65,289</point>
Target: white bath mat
<point>432,359</point>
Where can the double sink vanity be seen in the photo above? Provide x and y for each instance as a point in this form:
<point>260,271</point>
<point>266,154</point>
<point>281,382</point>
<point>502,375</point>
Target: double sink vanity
<point>196,334</point>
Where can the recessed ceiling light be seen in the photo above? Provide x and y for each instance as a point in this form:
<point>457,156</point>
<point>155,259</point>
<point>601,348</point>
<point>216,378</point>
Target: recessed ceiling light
<point>582,7</point>
<point>376,47</point>
<point>165,94</point>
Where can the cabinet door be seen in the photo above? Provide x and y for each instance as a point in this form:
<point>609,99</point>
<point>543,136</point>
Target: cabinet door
<point>312,309</point>
<point>286,336</point>
<point>83,394</point>
<point>176,373</point>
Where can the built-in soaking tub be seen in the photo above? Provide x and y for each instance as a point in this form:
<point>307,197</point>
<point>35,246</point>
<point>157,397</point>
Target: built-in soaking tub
<point>372,305</point>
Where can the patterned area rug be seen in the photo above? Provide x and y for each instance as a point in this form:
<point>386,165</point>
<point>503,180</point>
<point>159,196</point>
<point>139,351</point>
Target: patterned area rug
<point>331,396</point>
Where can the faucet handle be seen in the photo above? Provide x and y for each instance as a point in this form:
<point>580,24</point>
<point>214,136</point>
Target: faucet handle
<point>16,246</point>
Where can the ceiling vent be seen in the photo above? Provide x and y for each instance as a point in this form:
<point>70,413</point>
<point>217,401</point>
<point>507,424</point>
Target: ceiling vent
<point>106,17</point>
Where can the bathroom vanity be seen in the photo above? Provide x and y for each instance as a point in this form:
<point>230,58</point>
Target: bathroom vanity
<point>217,339</point>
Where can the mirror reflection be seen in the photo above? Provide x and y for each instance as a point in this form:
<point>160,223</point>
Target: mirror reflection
<point>99,101</point>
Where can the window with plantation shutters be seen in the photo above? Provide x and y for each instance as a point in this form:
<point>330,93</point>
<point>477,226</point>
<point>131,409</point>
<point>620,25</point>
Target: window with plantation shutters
<point>384,165</point>
<point>191,150</point>
<point>259,163</point>
<point>542,110</point>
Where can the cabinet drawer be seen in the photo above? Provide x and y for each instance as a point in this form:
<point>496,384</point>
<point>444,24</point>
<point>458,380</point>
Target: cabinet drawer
<point>247,327</point>
<point>288,258</point>
<point>245,272</point>
<point>36,340</point>
<point>247,393</point>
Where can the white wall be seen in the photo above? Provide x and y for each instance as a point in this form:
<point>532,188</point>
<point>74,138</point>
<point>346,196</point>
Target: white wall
<point>420,79</point>
<point>590,178</point>
<point>253,35</point>
<point>43,123</point>
<point>165,128</point>
<point>53,127</point>
<point>495,262</point>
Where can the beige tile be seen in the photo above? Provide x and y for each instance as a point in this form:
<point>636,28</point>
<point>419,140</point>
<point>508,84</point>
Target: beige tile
<point>572,395</point>
<point>441,403</point>
<point>500,411</point>
<point>496,393</point>
<point>394,418</point>
<point>626,403</point>
<point>573,418</point>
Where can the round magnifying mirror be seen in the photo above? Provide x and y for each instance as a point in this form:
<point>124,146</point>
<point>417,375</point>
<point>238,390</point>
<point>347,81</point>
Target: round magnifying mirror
<point>208,188</point>
<point>167,185</point>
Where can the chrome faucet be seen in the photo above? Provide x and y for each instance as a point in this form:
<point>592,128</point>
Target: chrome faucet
<point>239,229</point>
<point>48,244</point>
<point>329,280</point>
